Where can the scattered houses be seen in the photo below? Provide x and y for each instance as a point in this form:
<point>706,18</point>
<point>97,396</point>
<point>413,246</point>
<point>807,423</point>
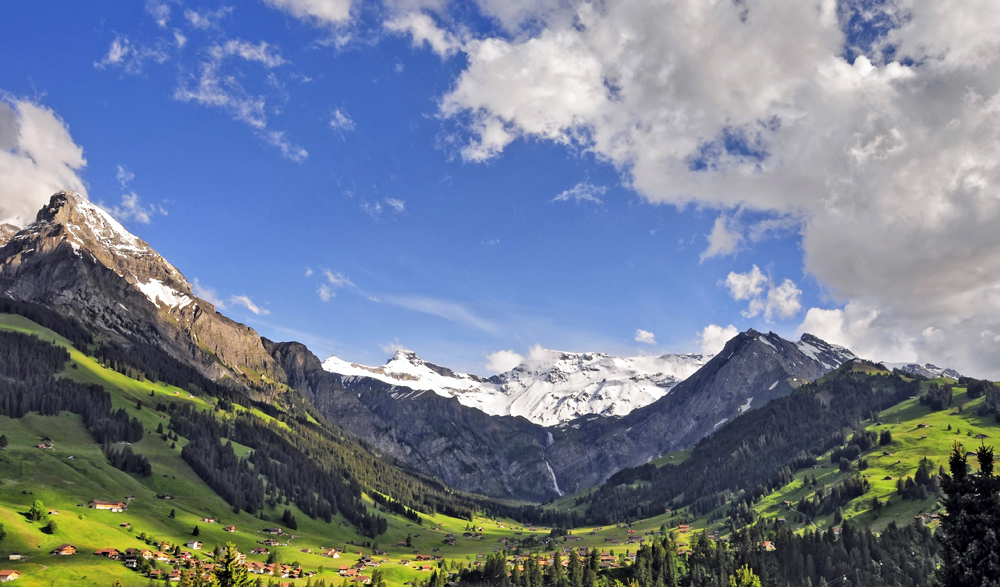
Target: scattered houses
<point>194,545</point>
<point>230,528</point>
<point>8,575</point>
<point>64,550</point>
<point>114,506</point>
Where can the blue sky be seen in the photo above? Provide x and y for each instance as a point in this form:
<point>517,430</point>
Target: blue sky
<point>354,149</point>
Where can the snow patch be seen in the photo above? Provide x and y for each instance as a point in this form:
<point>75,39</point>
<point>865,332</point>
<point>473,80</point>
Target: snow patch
<point>746,406</point>
<point>773,385</point>
<point>160,293</point>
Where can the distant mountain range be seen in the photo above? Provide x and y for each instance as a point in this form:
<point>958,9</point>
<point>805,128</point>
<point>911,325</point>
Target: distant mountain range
<point>550,388</point>
<point>557,424</point>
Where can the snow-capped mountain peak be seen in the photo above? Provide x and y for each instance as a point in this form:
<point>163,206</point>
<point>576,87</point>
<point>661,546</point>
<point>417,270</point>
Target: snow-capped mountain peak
<point>548,388</point>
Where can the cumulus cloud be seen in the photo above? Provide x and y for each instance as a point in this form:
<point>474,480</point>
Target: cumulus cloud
<point>503,361</point>
<point>424,31</point>
<point>645,336</point>
<point>582,192</point>
<point>881,151</point>
<point>780,301</point>
<point>714,337</point>
<point>397,205</point>
<point>38,157</point>
<point>723,240</point>
<point>320,12</point>
<point>246,302</point>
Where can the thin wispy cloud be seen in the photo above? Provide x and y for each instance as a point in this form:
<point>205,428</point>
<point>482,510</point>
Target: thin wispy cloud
<point>208,294</point>
<point>245,302</point>
<point>130,58</point>
<point>581,193</point>
<point>450,311</point>
<point>207,19</point>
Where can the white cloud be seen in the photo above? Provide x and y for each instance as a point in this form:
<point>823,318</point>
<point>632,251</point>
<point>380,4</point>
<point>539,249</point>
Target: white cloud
<point>713,338</point>
<point>321,12</point>
<point>246,302</point>
<point>325,292</point>
<point>397,205</point>
<point>745,286</point>
<point>309,271</point>
<point>375,209</point>
<point>450,311</point>
<point>780,301</point>
<point>423,30</point>
<point>503,361</point>
<point>207,19</point>
<point>160,11</point>
<point>124,176</point>
<point>724,239</point>
<point>372,209</point>
<point>38,157</point>
<point>214,88</point>
<point>334,281</point>
<point>129,57</point>
<point>132,210</point>
<point>341,122</point>
<point>645,336</point>
<point>582,192</point>
<point>337,279</point>
<point>889,170</point>
<point>783,300</point>
<point>392,347</point>
<point>208,294</point>
<point>289,150</point>
<point>179,39</point>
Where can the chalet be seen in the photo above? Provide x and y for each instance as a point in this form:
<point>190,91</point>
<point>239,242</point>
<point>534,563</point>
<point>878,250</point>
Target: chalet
<point>114,506</point>
<point>45,446</point>
<point>175,575</point>
<point>683,527</point>
<point>161,556</point>
<point>769,546</point>
<point>208,520</point>
<point>273,531</point>
<point>111,553</point>
<point>53,512</point>
<point>259,550</point>
<point>64,550</point>
<point>139,552</point>
<point>14,556</point>
<point>8,575</point>
<point>131,563</point>
<point>922,425</point>
<point>271,542</point>
<point>230,528</point>
<point>194,545</point>
<point>125,525</point>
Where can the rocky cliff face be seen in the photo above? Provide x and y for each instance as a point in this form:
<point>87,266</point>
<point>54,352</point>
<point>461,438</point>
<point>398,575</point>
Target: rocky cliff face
<point>79,260</point>
<point>751,370</point>
<point>512,457</point>
<point>466,448</point>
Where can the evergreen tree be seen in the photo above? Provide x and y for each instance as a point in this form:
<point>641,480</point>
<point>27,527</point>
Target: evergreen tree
<point>3,441</point>
<point>744,577</point>
<point>970,553</point>
<point>231,572</point>
<point>196,531</point>
<point>37,512</point>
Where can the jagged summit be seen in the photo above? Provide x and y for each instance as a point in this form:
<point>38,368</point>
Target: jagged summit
<point>548,388</point>
<point>76,258</point>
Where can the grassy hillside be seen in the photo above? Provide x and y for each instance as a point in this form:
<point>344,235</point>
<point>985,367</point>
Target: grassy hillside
<point>67,484</point>
<point>917,431</point>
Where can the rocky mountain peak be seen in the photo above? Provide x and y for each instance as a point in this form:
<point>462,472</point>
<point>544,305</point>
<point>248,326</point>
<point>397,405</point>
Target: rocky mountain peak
<point>78,259</point>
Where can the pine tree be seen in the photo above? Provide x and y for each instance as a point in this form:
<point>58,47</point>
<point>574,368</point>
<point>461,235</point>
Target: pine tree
<point>231,572</point>
<point>968,531</point>
<point>744,577</point>
<point>196,531</point>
